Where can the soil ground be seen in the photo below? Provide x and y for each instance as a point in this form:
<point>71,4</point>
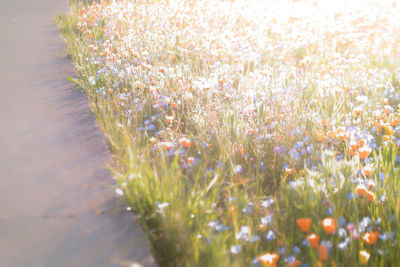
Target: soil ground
<point>57,205</point>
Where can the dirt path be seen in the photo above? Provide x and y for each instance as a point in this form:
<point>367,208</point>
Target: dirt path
<point>57,207</point>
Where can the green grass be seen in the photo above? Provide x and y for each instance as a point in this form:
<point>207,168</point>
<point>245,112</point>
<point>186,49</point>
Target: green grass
<point>261,153</point>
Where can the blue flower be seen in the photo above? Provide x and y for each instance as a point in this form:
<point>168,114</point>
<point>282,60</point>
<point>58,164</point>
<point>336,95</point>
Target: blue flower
<point>291,258</point>
<point>351,196</point>
<point>294,154</point>
<point>342,233</point>
<point>100,90</point>
<point>267,202</point>
<point>310,149</point>
<point>342,221</point>
<point>237,169</point>
<point>262,167</point>
<point>384,236</point>
<point>329,211</point>
<point>270,235</point>
<point>327,243</point>
<point>255,261</point>
<point>151,128</point>
<point>267,220</point>
<point>221,228</point>
<point>255,238</point>
<point>298,145</point>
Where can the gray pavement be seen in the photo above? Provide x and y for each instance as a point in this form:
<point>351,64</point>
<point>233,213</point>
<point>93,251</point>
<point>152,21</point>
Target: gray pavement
<point>57,206</point>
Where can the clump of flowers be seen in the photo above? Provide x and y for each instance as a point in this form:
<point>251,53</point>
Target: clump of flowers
<point>267,130</point>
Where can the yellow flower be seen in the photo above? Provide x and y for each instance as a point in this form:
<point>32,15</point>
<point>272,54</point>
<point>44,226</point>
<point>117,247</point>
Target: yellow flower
<point>364,256</point>
<point>388,129</point>
<point>386,137</point>
<point>319,135</point>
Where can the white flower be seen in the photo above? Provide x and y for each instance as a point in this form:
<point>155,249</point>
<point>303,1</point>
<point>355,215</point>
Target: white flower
<point>236,249</point>
<point>119,191</point>
<point>92,80</point>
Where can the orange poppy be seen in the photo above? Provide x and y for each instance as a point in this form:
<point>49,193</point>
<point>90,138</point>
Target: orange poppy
<point>232,210</point>
<point>342,136</point>
<point>169,119</point>
<point>357,110</point>
<point>371,184</point>
<point>185,142</point>
<point>313,240</point>
<point>331,134</point>
<point>168,145</point>
<point>241,149</point>
<point>329,225</point>
<point>394,122</point>
<point>304,224</point>
<point>361,190</point>
<point>364,152</point>
<point>295,263</point>
<point>370,195</point>
<point>323,253</point>
<point>362,142</point>
<point>289,171</point>
<point>367,170</point>
<point>353,145</point>
<point>269,259</point>
<point>190,159</point>
<point>370,238</point>
<point>352,152</point>
<point>388,109</point>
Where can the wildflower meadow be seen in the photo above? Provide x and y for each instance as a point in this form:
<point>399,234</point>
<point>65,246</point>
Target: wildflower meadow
<point>249,133</point>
